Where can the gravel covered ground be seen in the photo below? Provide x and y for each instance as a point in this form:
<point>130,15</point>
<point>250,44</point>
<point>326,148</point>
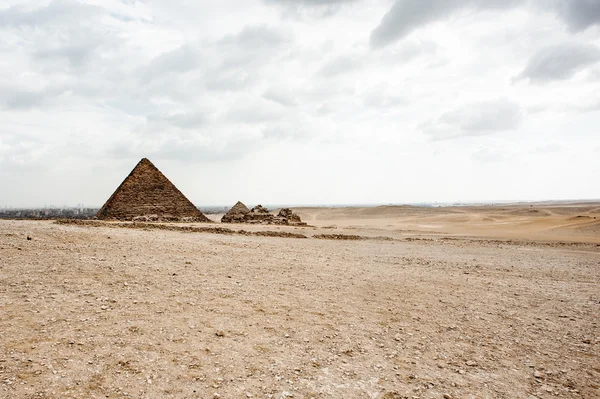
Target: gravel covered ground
<point>101,312</point>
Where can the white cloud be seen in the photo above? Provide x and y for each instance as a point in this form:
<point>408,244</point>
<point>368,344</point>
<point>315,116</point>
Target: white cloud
<point>408,15</point>
<point>340,65</point>
<point>476,119</point>
<point>280,95</point>
<point>560,62</point>
<point>305,92</point>
<point>405,16</point>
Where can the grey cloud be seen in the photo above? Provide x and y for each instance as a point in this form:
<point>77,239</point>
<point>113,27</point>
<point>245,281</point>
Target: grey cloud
<point>188,151</point>
<point>280,96</point>
<point>593,107</point>
<point>255,38</point>
<point>56,11</point>
<point>238,59</point>
<point>408,15</point>
<point>182,88</point>
<point>559,62</point>
<point>254,45</point>
<point>409,50</point>
<point>15,98</point>
<point>492,154</point>
<point>61,30</point>
<point>252,111</point>
<point>568,105</point>
<point>325,109</point>
<point>76,54</point>
<point>311,2</point>
<point>228,79</point>
<point>187,120</point>
<point>579,14</point>
<point>295,126</point>
<point>205,145</point>
<point>340,65</point>
<point>476,119</point>
<point>21,99</point>
<point>285,132</point>
<point>310,8</point>
<point>20,150</point>
<point>179,60</point>
<point>232,63</point>
<point>381,99</point>
<point>194,151</point>
<point>122,17</point>
<point>326,90</point>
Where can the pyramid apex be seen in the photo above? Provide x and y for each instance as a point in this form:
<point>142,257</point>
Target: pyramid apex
<point>236,213</point>
<point>145,162</point>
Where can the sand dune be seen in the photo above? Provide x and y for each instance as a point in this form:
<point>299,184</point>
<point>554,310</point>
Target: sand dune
<point>566,222</point>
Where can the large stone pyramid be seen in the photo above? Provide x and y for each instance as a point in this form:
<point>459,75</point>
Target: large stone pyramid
<point>236,213</point>
<point>146,194</point>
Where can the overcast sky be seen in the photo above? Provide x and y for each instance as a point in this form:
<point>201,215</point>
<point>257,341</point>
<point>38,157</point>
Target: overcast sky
<point>301,101</point>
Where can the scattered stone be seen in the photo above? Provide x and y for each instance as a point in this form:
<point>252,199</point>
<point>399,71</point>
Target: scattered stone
<point>240,213</point>
<point>393,395</point>
<point>337,237</point>
<point>286,216</point>
<point>220,333</point>
<point>258,214</point>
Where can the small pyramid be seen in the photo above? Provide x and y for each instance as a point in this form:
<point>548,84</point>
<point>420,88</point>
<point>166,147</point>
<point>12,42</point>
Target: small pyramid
<point>235,214</point>
<point>146,194</point>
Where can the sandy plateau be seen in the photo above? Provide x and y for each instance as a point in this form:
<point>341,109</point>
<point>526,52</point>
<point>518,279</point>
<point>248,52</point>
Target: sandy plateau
<point>465,302</point>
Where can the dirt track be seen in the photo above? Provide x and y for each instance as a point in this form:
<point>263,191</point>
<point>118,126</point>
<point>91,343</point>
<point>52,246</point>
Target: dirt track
<point>108,312</point>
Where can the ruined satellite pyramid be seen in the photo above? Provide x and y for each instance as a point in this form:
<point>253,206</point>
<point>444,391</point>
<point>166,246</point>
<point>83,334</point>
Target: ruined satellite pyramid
<point>236,213</point>
<point>240,213</point>
<point>146,194</point>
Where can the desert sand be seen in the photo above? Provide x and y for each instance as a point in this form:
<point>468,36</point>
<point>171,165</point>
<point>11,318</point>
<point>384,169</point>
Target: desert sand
<point>390,302</point>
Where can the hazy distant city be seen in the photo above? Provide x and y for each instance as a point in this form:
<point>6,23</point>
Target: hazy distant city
<point>87,212</point>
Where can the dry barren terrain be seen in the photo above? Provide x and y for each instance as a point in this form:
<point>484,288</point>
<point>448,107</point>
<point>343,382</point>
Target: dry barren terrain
<point>478,302</point>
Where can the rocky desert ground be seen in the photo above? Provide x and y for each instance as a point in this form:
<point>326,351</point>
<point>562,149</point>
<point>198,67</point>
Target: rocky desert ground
<point>384,302</point>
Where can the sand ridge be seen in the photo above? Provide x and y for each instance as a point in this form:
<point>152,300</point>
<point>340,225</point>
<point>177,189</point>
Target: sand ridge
<point>570,222</point>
